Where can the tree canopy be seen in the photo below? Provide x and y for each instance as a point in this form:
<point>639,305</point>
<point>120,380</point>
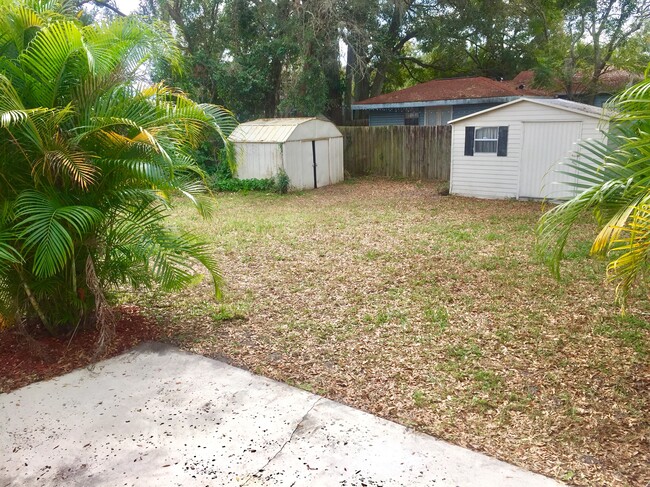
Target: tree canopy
<point>307,57</point>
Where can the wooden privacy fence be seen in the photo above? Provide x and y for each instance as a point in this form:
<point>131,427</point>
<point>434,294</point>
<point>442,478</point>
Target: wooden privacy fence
<point>398,151</point>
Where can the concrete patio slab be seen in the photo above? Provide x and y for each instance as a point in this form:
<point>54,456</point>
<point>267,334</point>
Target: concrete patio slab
<point>160,416</point>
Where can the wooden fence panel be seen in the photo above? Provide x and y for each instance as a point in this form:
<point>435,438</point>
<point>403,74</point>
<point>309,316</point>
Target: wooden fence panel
<point>398,151</point>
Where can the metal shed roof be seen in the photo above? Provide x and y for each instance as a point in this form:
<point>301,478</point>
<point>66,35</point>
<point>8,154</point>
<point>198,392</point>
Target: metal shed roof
<point>570,106</point>
<point>277,130</point>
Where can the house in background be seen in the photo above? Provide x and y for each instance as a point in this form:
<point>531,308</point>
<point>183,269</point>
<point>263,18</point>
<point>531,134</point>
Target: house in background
<point>513,150</point>
<point>438,101</point>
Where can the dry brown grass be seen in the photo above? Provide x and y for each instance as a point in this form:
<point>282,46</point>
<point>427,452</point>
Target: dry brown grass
<point>432,312</point>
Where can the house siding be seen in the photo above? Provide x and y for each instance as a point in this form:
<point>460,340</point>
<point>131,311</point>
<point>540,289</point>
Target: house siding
<point>392,117</point>
<point>377,118</point>
<point>490,176</point>
<point>467,109</point>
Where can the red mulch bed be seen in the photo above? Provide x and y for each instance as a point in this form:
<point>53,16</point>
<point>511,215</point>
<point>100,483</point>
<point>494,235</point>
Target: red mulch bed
<point>23,361</point>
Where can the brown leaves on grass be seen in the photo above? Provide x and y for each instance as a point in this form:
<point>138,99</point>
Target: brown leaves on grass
<point>430,311</point>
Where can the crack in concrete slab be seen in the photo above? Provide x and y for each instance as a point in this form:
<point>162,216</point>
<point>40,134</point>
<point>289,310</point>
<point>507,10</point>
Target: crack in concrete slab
<point>293,433</point>
<point>205,419</point>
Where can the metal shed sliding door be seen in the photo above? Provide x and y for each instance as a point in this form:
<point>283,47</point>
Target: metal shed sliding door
<point>315,163</point>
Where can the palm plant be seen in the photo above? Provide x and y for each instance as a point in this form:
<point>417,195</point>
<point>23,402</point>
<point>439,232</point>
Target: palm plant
<point>613,183</point>
<point>90,157</point>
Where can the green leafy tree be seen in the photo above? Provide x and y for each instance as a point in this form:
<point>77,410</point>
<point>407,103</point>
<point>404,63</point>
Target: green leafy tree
<point>90,157</point>
<point>613,184</point>
<point>593,36</point>
<point>236,52</point>
<point>493,38</point>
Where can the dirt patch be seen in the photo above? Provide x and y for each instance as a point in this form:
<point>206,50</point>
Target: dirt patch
<point>23,361</point>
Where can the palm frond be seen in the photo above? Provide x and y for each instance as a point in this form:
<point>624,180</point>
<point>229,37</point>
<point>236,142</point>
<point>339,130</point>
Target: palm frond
<point>8,253</point>
<point>48,55</point>
<point>612,178</point>
<point>45,226</point>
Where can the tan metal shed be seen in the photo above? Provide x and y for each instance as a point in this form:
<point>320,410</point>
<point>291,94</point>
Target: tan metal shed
<point>309,149</point>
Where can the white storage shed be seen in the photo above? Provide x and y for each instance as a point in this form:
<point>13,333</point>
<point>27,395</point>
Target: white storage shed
<point>309,149</point>
<point>513,150</point>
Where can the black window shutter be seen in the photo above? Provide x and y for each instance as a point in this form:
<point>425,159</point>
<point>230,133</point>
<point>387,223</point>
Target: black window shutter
<point>469,141</point>
<point>502,149</point>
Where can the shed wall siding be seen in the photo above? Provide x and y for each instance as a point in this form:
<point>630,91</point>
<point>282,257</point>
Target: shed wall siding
<point>298,165</point>
<point>486,175</point>
<point>264,159</point>
<point>314,130</point>
<point>539,169</point>
<point>336,160</point>
<point>257,160</point>
<point>489,176</point>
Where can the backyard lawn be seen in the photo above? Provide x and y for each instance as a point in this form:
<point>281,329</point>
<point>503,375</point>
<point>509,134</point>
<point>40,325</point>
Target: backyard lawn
<point>430,311</point>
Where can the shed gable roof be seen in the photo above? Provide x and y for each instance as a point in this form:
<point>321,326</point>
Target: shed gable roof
<point>277,130</point>
<point>566,105</point>
<point>452,89</point>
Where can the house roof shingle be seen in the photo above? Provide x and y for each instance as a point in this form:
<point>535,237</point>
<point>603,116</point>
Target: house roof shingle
<point>453,89</point>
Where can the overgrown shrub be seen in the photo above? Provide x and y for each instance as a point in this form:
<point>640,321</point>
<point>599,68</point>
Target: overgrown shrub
<point>282,181</point>
<point>222,180</point>
<point>234,185</point>
<point>91,156</point>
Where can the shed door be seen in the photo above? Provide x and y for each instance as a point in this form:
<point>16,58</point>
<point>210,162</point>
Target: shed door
<point>322,163</point>
<point>544,145</point>
<point>319,174</point>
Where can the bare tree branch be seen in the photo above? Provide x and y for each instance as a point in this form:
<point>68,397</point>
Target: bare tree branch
<point>103,4</point>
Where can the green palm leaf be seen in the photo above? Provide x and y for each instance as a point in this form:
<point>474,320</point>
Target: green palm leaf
<point>45,227</point>
<point>613,183</point>
<point>50,57</point>
<point>8,254</point>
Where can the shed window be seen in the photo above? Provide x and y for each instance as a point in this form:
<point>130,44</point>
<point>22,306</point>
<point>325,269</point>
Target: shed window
<point>486,140</point>
<point>411,118</point>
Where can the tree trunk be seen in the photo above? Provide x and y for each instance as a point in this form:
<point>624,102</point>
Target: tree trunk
<point>349,83</point>
<point>332,71</point>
